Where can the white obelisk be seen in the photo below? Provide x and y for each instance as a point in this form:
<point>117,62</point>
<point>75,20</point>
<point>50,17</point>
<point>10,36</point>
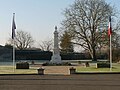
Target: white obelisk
<point>56,58</point>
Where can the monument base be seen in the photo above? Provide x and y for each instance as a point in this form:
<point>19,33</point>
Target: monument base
<point>56,59</point>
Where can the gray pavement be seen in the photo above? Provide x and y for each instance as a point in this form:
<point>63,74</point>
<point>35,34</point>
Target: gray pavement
<point>60,82</point>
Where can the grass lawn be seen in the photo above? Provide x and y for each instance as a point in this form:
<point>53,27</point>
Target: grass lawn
<point>10,70</point>
<point>81,68</point>
<point>92,68</point>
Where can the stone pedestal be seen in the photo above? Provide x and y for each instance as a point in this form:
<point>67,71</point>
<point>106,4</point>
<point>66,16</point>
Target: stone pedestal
<point>72,70</point>
<point>56,58</point>
<point>40,71</point>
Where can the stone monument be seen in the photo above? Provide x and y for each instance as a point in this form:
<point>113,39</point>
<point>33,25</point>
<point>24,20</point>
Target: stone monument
<point>56,58</point>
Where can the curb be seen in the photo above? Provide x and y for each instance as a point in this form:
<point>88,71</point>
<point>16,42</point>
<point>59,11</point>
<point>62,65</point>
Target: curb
<point>97,73</point>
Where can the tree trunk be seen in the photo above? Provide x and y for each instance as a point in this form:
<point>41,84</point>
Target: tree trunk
<point>94,58</point>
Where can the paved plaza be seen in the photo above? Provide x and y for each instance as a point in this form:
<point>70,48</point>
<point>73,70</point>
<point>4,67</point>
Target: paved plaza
<point>60,82</point>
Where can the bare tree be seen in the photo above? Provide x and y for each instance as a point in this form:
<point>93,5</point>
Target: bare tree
<point>116,42</point>
<point>83,19</point>
<point>23,40</point>
<point>116,35</point>
<point>46,45</point>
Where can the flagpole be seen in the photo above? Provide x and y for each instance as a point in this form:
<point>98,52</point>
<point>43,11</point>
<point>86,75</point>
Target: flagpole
<point>110,38</point>
<point>13,55</point>
<point>13,38</point>
<point>110,53</point>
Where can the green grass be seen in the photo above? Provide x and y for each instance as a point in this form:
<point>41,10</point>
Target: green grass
<point>33,70</point>
<point>10,70</point>
<point>92,68</point>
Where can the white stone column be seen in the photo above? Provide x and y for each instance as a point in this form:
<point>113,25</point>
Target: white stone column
<point>56,58</point>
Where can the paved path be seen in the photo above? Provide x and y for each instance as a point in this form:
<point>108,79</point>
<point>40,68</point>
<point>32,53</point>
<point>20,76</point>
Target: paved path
<point>60,70</point>
<point>60,82</point>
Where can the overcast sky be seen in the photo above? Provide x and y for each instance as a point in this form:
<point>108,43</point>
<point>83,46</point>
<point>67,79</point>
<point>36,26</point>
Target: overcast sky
<point>37,17</point>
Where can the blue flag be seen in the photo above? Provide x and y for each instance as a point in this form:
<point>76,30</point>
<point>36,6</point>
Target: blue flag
<point>13,27</point>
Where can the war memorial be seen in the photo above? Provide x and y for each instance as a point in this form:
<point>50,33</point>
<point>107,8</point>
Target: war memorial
<point>88,25</point>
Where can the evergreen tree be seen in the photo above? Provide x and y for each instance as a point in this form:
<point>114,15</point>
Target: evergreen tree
<point>66,44</point>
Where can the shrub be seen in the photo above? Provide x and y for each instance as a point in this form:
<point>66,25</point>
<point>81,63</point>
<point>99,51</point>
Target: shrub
<point>103,65</point>
<point>22,65</point>
<point>45,64</point>
<point>55,64</point>
<point>87,64</point>
<point>79,62</point>
<point>32,62</point>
